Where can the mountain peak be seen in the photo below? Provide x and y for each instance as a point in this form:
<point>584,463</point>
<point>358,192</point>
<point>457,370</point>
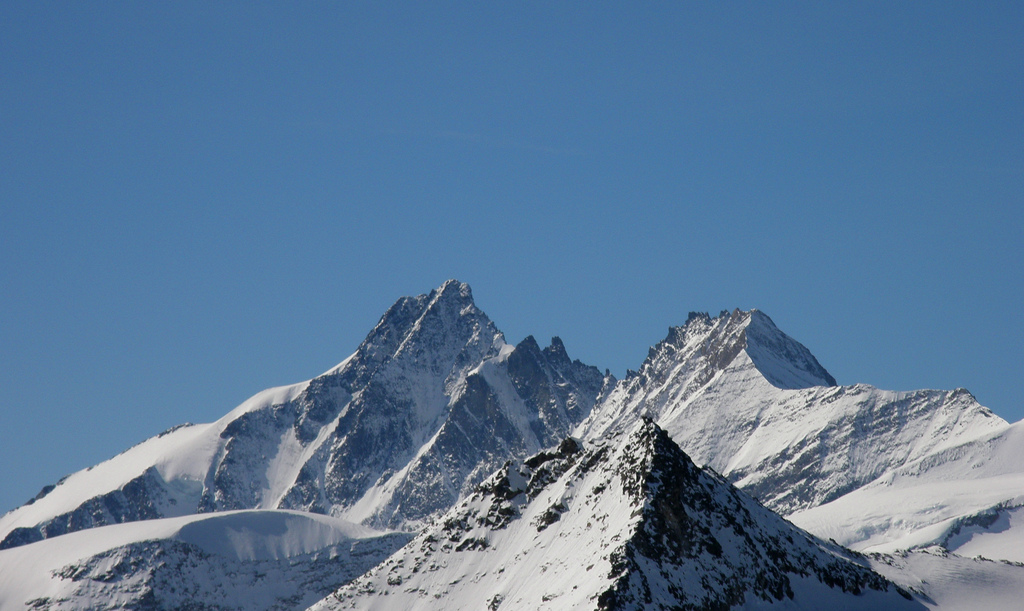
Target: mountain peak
<point>437,313</point>
<point>453,289</point>
<point>783,361</point>
<point>556,350</point>
<point>742,344</point>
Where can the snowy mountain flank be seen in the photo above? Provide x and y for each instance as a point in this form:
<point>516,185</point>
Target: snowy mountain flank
<point>512,464</point>
<point>429,404</point>
<point>740,396</point>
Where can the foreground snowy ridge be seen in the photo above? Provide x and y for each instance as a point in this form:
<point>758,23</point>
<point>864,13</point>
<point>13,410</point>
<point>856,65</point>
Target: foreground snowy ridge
<point>253,560</point>
<point>622,523</point>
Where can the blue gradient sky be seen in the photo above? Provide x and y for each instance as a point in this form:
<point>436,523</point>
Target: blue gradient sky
<point>198,202</point>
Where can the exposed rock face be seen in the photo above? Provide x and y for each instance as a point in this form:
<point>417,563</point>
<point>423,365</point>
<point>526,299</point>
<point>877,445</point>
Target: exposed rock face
<point>172,575</point>
<point>509,407</point>
<point>627,523</point>
<point>367,417</point>
<point>692,518</point>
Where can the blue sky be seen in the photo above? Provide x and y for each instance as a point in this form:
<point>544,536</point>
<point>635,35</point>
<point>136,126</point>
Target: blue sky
<point>198,202</point>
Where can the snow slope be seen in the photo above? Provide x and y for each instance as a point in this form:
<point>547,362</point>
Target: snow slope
<point>951,582</point>
<point>967,499</point>
<point>623,523</point>
<point>233,560</point>
<point>163,476</point>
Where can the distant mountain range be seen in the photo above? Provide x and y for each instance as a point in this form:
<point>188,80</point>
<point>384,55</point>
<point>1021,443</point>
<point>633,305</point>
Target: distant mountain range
<point>440,467</point>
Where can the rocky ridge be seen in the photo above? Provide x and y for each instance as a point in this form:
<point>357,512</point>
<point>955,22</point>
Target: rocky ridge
<point>628,522</point>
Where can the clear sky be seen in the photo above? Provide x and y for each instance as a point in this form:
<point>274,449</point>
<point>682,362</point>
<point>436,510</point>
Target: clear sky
<point>198,202</point>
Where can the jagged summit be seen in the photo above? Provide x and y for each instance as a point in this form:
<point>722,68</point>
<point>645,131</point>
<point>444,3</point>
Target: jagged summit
<point>783,361</point>
<point>444,314</point>
<point>627,522</point>
<point>557,349</point>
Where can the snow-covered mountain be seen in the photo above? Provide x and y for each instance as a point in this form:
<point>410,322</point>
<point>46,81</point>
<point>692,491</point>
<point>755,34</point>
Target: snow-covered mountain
<point>627,522</point>
<point>434,401</point>
<point>740,396</point>
<point>429,404</point>
<point>262,559</point>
